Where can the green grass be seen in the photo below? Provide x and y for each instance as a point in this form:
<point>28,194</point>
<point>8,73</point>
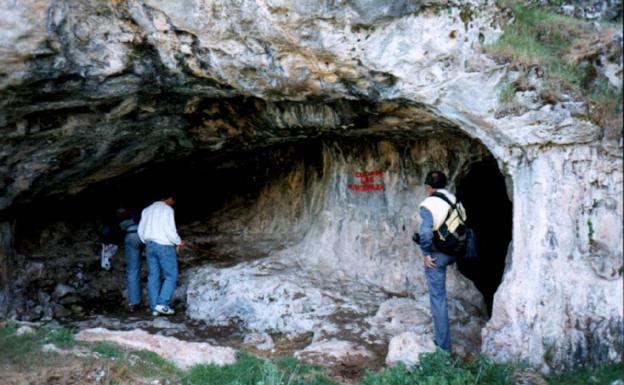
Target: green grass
<point>108,349</point>
<point>61,337</point>
<point>143,364</point>
<point>538,37</point>
<point>24,351</point>
<point>251,370</point>
<point>439,368</point>
<point>150,364</point>
<point>549,41</point>
<point>604,374</point>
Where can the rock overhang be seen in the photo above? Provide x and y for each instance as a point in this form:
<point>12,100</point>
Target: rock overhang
<point>91,145</point>
<point>139,71</point>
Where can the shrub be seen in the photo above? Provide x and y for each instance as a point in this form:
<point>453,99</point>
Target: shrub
<point>440,368</point>
<point>252,370</point>
<point>61,337</point>
<point>108,349</point>
<point>604,374</point>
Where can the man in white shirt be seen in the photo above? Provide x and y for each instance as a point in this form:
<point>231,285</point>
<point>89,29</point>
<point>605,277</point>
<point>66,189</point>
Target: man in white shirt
<point>157,230</point>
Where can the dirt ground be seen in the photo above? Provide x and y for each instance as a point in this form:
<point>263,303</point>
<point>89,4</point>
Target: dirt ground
<point>73,372</point>
<point>80,371</point>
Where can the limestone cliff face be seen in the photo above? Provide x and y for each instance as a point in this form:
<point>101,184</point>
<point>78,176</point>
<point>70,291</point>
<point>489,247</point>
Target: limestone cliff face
<point>92,90</point>
<point>342,250</point>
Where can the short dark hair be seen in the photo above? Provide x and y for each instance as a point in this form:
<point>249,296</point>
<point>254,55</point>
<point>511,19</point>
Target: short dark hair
<point>436,179</point>
<point>164,194</point>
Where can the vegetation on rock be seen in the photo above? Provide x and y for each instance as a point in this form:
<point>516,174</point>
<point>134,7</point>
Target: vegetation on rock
<point>567,52</point>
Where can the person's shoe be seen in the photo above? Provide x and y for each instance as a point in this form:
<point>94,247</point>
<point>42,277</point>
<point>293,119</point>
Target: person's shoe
<point>132,308</point>
<point>163,309</point>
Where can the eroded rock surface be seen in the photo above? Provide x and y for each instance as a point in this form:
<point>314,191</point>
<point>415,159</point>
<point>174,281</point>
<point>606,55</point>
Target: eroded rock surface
<point>184,354</point>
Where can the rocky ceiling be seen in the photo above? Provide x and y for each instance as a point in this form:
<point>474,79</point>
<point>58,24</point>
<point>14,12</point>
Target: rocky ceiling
<point>95,90</point>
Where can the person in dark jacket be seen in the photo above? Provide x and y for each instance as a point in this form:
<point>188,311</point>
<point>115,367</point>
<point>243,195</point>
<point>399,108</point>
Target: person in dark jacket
<point>123,228</point>
<point>128,224</point>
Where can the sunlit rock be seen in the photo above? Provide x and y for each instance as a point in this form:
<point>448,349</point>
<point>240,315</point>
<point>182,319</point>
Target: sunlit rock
<point>407,348</point>
<point>332,352</point>
<point>184,354</point>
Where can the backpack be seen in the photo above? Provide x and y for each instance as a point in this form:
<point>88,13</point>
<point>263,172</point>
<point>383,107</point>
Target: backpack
<point>453,237</point>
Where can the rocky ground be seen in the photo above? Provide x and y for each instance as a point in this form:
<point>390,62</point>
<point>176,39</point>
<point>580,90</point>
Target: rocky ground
<point>346,329</point>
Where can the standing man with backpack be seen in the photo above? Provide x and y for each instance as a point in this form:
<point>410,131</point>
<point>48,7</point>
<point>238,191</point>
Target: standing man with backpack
<point>441,239</point>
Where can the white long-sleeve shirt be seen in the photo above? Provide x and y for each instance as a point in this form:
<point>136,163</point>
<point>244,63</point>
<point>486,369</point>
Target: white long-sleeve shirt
<point>158,225</point>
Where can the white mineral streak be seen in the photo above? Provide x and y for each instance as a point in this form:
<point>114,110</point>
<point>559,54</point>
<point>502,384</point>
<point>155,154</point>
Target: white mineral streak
<point>349,248</point>
<point>183,354</point>
<point>333,351</point>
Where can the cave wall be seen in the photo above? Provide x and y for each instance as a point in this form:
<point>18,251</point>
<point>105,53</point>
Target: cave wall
<point>564,276</point>
<point>338,231</point>
<point>95,90</point>
<point>338,260</point>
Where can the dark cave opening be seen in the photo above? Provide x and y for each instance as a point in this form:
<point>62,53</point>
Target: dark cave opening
<point>204,185</point>
<point>208,185</point>
<point>483,193</point>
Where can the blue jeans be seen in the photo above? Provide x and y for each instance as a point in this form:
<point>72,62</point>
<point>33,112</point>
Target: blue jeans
<point>436,280</point>
<point>161,258</point>
<point>132,253</point>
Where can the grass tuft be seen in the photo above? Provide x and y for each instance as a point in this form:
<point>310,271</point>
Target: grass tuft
<point>61,337</point>
<point>108,349</point>
<point>440,368</point>
<point>24,351</point>
<point>252,370</point>
<point>604,374</point>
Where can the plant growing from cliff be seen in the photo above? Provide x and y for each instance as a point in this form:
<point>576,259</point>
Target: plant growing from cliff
<point>549,353</point>
<point>564,49</point>
<point>507,94</point>
<point>590,230</point>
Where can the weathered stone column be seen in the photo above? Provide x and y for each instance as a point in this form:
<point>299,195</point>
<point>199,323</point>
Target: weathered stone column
<point>561,299</point>
<point>6,255</point>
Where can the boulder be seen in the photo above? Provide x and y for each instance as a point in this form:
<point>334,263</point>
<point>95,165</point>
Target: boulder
<point>407,348</point>
<point>335,352</point>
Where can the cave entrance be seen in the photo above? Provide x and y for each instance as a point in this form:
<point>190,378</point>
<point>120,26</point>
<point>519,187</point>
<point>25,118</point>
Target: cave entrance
<point>483,193</point>
<point>284,222</point>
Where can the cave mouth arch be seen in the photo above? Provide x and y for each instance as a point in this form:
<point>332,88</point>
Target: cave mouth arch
<point>206,183</point>
<point>229,201</point>
<point>483,193</point>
